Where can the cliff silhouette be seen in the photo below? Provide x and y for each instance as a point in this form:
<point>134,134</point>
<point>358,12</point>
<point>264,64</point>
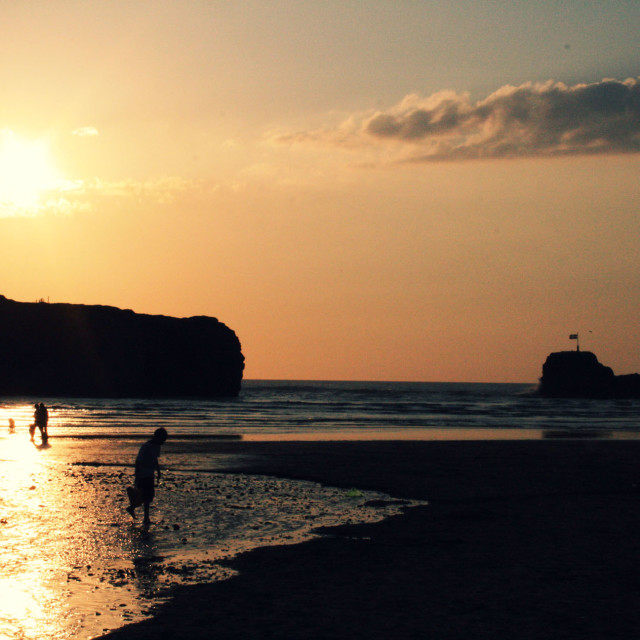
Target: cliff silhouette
<point>100,351</point>
<point>578,374</point>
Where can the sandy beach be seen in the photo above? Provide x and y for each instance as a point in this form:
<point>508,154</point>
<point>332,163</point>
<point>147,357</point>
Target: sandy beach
<point>521,539</point>
<point>73,562</point>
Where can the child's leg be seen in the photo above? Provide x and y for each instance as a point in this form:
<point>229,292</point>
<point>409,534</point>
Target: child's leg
<point>131,509</point>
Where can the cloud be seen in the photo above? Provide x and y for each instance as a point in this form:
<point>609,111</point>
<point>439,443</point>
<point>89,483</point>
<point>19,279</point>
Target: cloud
<point>81,196</point>
<point>86,131</point>
<point>529,120</point>
<point>159,191</point>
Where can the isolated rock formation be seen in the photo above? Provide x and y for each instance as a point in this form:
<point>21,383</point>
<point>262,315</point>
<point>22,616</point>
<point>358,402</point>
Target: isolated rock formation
<point>98,351</point>
<point>578,374</point>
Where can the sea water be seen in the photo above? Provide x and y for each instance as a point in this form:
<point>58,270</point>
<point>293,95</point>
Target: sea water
<point>338,410</point>
<point>73,564</point>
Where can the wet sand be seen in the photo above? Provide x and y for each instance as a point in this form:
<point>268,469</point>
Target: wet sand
<point>520,540</point>
<point>73,564</point>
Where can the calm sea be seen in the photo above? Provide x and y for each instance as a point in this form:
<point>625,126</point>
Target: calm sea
<point>340,410</point>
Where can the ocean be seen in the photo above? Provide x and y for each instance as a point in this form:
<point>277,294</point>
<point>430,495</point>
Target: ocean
<point>73,564</point>
<point>340,410</point>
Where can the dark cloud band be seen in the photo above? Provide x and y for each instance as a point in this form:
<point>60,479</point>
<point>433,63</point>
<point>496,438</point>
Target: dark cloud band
<point>532,119</point>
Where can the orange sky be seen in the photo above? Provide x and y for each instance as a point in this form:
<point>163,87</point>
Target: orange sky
<point>361,191</point>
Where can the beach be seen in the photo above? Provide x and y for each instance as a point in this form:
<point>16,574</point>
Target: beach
<point>520,539</point>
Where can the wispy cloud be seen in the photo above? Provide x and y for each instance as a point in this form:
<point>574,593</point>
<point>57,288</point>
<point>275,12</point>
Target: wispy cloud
<point>69,197</point>
<point>529,120</point>
<point>158,191</point>
<point>86,131</point>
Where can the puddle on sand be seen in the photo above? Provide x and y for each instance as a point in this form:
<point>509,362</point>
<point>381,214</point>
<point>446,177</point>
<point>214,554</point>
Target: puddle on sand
<point>73,564</point>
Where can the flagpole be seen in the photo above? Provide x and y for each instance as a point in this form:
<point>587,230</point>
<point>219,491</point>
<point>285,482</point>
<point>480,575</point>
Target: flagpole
<point>576,337</point>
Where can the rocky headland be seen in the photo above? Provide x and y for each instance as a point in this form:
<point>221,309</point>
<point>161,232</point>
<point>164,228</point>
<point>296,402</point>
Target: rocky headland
<point>578,374</point>
<point>99,351</point>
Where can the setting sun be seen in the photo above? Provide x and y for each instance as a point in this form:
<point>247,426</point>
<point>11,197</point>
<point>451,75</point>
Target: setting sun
<point>26,171</point>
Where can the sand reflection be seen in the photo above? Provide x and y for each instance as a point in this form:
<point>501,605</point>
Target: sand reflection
<point>72,562</point>
<point>27,608</point>
<point>21,609</point>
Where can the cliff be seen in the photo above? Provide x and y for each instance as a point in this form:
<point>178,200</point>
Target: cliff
<point>98,351</point>
<point>578,374</point>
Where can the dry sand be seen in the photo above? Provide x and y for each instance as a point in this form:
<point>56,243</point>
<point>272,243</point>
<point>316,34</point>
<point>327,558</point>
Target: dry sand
<point>521,540</point>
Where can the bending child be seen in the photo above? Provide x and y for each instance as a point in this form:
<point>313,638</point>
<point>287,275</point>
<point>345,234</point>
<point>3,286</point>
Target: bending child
<point>147,466</point>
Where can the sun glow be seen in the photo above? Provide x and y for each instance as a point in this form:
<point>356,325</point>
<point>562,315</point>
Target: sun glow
<point>26,173</point>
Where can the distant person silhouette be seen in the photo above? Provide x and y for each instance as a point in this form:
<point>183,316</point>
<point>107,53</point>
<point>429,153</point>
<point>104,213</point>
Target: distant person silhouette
<point>147,466</point>
<point>36,418</point>
<point>12,425</point>
<point>42,420</point>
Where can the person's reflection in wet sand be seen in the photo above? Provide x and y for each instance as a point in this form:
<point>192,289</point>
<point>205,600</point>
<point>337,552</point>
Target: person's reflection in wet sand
<point>147,564</point>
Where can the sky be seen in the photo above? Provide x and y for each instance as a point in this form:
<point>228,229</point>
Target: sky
<point>361,189</point>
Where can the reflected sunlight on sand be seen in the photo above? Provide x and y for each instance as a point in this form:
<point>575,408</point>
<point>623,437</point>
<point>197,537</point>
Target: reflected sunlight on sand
<point>72,562</point>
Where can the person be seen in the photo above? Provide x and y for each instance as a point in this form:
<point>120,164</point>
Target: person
<point>36,421</point>
<point>12,425</point>
<point>147,466</point>
<point>45,422</point>
<point>41,417</point>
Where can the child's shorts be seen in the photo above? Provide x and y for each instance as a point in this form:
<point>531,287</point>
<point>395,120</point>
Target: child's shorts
<point>146,486</point>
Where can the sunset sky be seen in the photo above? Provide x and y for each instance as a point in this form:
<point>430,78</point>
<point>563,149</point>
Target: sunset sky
<point>367,190</point>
